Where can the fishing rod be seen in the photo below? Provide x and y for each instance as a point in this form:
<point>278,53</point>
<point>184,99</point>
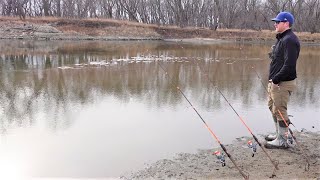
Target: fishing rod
<point>250,144</point>
<point>244,174</point>
<point>307,167</point>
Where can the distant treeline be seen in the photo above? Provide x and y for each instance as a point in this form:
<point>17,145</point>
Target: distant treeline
<point>213,14</point>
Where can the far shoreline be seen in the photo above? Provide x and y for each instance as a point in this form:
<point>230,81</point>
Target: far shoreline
<point>59,29</point>
<point>207,41</point>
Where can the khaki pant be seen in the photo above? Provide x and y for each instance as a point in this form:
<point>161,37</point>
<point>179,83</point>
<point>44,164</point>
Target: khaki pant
<point>280,98</point>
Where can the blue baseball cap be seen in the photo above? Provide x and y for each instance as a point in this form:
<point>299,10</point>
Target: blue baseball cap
<point>284,17</point>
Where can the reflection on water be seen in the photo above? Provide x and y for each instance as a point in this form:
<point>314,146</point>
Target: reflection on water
<point>106,103</point>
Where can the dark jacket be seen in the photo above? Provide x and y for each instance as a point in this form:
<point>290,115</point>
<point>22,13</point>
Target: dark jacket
<point>284,57</point>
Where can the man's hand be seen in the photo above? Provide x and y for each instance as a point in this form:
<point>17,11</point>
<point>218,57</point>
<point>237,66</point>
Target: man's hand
<point>271,53</point>
<point>277,85</point>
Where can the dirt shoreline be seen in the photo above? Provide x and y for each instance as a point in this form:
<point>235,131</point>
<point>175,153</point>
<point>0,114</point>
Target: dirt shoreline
<point>111,30</point>
<point>204,165</point>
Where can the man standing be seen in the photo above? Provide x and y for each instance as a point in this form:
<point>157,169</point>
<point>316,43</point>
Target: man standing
<point>282,75</point>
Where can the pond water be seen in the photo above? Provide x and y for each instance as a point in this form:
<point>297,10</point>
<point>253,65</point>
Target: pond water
<point>104,109</point>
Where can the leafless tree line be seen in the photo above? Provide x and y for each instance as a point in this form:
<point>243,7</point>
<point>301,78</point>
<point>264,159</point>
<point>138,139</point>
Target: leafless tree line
<point>213,14</point>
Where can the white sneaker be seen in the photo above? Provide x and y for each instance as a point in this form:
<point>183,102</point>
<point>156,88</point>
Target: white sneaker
<point>280,142</point>
<point>272,137</point>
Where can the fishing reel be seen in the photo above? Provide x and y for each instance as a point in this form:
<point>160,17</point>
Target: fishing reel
<point>289,139</point>
<point>220,157</point>
<point>252,146</point>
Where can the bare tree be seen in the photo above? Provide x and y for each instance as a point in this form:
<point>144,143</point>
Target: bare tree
<point>14,8</point>
<point>312,13</point>
<point>46,4</point>
<point>107,7</point>
<point>69,8</point>
<point>131,7</point>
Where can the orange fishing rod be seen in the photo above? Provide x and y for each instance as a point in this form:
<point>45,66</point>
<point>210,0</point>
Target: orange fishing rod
<point>274,163</point>
<point>286,123</point>
<point>244,175</point>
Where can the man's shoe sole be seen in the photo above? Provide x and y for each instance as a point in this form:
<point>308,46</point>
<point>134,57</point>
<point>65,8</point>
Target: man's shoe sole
<point>269,139</point>
<point>269,146</point>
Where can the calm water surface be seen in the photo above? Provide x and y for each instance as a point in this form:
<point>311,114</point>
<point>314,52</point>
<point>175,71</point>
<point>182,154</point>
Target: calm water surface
<point>104,109</point>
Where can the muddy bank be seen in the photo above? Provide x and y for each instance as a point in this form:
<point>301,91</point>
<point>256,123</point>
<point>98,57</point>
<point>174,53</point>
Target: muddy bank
<point>204,165</point>
<point>104,29</point>
<point>66,29</point>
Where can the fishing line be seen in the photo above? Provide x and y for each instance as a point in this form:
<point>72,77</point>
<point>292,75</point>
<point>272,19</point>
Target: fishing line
<point>245,175</point>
